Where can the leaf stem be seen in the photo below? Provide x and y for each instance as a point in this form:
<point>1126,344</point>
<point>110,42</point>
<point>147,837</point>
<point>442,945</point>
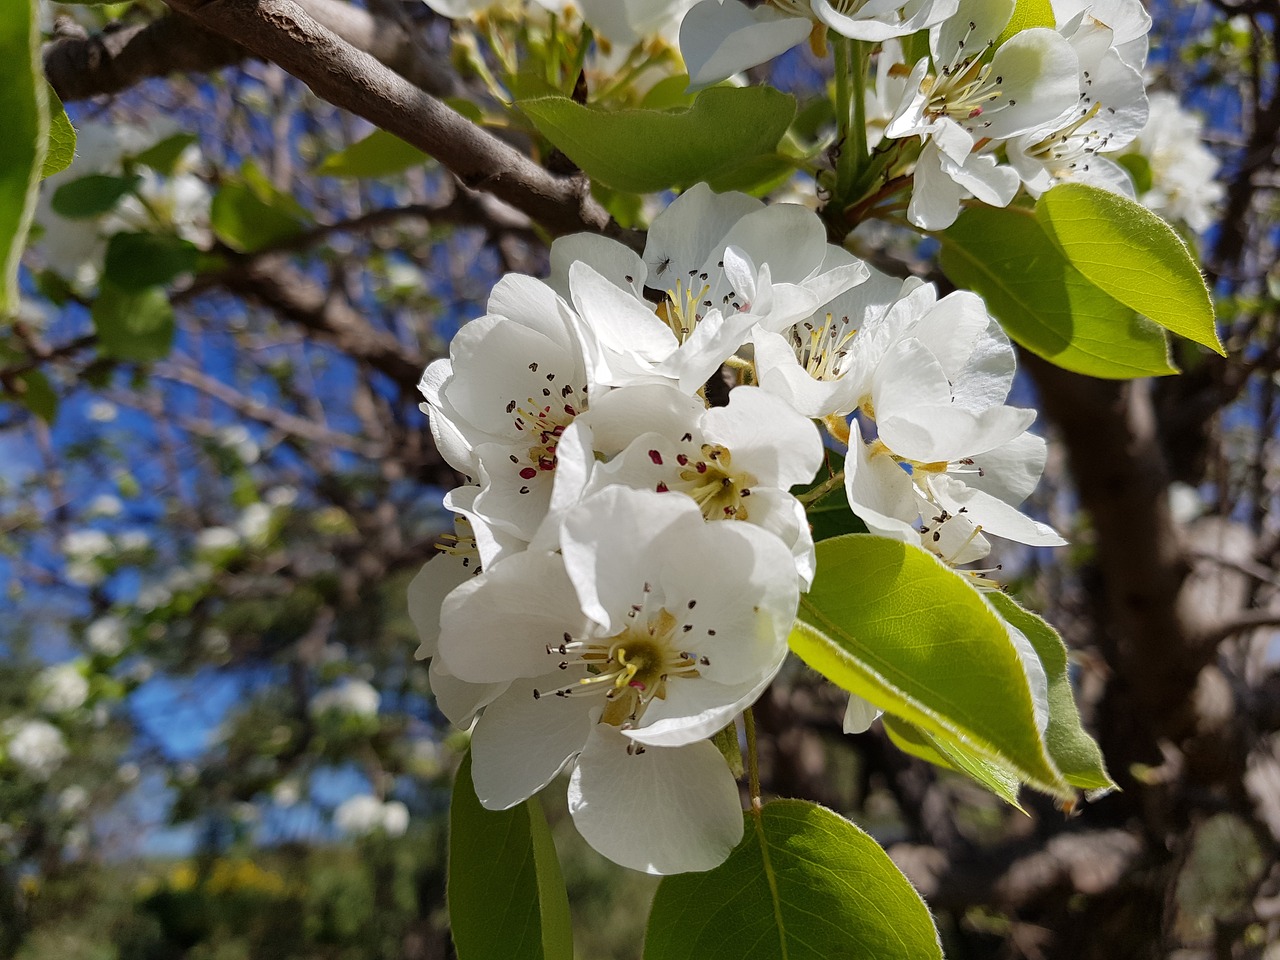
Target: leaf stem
<point>753,761</point>
<point>822,489</point>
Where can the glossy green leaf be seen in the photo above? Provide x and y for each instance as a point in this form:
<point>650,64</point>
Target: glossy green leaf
<point>37,394</point>
<point>1139,168</point>
<point>91,196</point>
<point>135,261</point>
<point>163,157</point>
<point>1026,15</point>
<point>804,884</point>
<point>62,138</point>
<point>890,622</point>
<point>507,900</point>
<point>1074,752</point>
<point>728,136</point>
<point>380,154</point>
<point>1127,251</point>
<point>26,131</point>
<point>1043,302</point>
<point>133,325</point>
<point>950,756</point>
<point>246,222</point>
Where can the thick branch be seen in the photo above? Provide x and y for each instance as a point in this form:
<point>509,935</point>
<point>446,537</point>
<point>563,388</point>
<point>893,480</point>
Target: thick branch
<point>282,32</point>
<point>116,59</point>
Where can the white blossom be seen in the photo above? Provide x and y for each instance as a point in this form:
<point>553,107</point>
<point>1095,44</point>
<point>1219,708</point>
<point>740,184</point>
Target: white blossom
<point>36,747</point>
<point>62,688</point>
<point>1183,169</point>
<point>352,697</point>
<point>107,635</point>
<point>363,814</point>
<point>957,98</point>
<point>647,634</point>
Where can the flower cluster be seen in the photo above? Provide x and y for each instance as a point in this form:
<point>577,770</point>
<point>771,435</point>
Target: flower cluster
<point>986,110</point>
<point>628,554</point>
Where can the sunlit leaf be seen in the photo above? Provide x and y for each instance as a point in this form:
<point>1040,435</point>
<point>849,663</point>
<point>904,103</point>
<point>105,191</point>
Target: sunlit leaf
<point>890,622</point>
<point>1074,752</point>
<point>728,137</point>
<point>1126,250</point>
<point>62,138</point>
<point>26,131</point>
<point>804,884</point>
<point>1043,302</point>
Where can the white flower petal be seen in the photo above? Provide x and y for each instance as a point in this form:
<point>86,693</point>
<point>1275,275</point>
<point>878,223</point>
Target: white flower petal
<point>666,810</point>
<point>521,742</point>
<point>719,39</point>
<point>860,714</point>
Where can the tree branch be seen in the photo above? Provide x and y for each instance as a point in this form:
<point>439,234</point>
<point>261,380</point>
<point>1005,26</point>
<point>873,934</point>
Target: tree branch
<point>272,281</point>
<point>281,31</point>
<point>275,418</point>
<point>116,59</point>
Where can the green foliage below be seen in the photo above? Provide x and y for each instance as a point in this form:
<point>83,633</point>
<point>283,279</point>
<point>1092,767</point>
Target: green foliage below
<point>728,137</point>
<point>380,154</point>
<point>1043,302</point>
<point>22,148</point>
<point>829,516</point>
<point>507,900</point>
<point>1127,251</point>
<point>62,138</point>
<point>91,196</point>
<point>135,261</point>
<point>133,325</point>
<point>804,884</point>
<point>890,622</point>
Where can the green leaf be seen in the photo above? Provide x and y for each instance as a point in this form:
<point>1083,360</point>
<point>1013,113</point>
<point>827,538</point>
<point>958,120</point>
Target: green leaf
<point>890,622</point>
<point>22,148</point>
<point>1074,752</point>
<point>135,261</point>
<point>37,395</point>
<point>1127,251</point>
<point>669,92</point>
<point>728,135</point>
<point>62,138</point>
<point>507,900</point>
<point>133,325</point>
<point>162,157</point>
<point>951,756</point>
<point>1139,168</point>
<point>246,222</point>
<point>1027,14</point>
<point>380,154</point>
<point>91,196</point>
<point>1043,302</point>
<point>804,884</point>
